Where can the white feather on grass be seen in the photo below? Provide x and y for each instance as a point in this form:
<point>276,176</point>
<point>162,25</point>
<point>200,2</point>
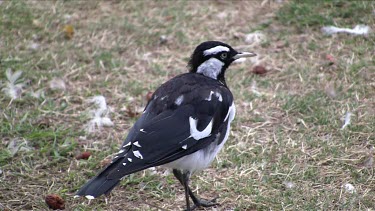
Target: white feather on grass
<point>38,94</point>
<point>346,120</point>
<point>357,30</point>
<point>349,188</point>
<point>14,85</point>
<point>289,184</point>
<point>18,145</point>
<point>99,115</point>
<point>254,89</point>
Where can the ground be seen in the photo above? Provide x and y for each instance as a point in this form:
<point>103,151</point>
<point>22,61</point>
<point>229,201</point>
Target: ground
<point>288,148</point>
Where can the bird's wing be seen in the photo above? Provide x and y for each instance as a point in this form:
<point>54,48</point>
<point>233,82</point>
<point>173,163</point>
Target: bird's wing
<point>172,134</point>
<point>166,131</point>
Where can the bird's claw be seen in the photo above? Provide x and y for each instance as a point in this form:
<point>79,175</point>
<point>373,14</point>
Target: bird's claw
<point>204,203</point>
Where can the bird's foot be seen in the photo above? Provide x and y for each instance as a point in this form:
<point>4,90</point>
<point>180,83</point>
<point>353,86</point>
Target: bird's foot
<point>204,203</point>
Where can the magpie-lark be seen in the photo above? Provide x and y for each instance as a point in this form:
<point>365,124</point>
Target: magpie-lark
<point>184,125</point>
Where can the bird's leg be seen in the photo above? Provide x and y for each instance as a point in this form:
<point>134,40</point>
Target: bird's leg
<point>197,202</point>
<point>185,181</point>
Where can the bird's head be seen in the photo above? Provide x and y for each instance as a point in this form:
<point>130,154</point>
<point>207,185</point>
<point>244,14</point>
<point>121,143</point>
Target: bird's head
<point>212,58</point>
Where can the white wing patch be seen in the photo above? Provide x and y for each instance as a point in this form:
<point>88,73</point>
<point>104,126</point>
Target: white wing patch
<point>128,144</point>
<point>179,100</point>
<point>231,113</point>
<point>137,144</point>
<point>130,160</point>
<point>137,154</point>
<point>184,147</point>
<point>195,133</point>
<point>217,94</point>
<point>215,50</point>
<point>89,197</point>
<point>124,164</point>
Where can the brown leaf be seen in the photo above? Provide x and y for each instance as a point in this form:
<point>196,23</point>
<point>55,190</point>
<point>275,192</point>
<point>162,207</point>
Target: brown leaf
<point>83,155</point>
<point>55,202</point>
<point>259,70</point>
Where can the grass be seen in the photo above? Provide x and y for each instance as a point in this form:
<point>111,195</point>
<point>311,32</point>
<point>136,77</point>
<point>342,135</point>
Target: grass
<point>287,149</point>
<point>310,14</point>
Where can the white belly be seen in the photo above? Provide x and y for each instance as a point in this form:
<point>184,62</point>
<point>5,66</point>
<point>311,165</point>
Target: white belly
<point>201,159</point>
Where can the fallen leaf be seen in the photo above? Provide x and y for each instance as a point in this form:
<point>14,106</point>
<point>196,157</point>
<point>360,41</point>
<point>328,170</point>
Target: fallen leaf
<point>68,31</point>
<point>83,155</point>
<point>55,202</point>
<point>259,70</point>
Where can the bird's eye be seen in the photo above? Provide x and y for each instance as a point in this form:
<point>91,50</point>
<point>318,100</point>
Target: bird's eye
<point>223,55</point>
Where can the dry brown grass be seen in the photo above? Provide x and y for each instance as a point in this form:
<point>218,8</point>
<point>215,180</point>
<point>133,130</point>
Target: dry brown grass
<point>286,150</point>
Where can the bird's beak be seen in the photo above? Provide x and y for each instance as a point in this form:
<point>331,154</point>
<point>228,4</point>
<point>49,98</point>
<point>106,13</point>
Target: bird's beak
<point>243,55</point>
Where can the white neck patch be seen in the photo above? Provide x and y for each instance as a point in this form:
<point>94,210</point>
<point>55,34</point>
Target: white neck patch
<point>215,50</point>
<point>211,68</point>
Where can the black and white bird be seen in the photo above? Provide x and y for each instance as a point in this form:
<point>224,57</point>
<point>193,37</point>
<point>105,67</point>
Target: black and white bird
<point>184,125</point>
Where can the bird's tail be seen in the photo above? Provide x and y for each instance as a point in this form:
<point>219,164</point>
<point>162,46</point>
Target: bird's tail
<point>100,184</point>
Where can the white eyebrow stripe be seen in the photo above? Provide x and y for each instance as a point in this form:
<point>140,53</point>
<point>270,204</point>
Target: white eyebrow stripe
<point>215,50</point>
